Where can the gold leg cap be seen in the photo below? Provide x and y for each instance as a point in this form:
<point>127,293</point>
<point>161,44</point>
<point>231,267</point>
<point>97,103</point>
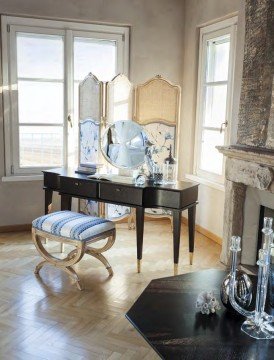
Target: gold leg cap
<point>190,258</point>
<point>175,269</point>
<point>139,266</point>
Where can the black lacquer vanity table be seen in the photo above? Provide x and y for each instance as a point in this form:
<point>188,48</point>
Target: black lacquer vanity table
<point>181,196</point>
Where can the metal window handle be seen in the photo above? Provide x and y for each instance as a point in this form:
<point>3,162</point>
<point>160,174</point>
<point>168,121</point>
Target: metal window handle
<point>223,125</point>
<point>70,121</point>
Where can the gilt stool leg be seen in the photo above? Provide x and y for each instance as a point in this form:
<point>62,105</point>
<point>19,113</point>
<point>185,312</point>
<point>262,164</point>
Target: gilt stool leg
<point>62,247</point>
<point>97,253</point>
<point>39,266</point>
<point>72,273</point>
<point>63,264</point>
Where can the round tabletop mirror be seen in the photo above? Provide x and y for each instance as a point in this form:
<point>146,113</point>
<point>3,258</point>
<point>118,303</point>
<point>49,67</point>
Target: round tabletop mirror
<point>124,144</point>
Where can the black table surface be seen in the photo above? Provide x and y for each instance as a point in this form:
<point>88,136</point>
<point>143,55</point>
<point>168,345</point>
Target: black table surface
<point>177,187</point>
<point>165,315</point>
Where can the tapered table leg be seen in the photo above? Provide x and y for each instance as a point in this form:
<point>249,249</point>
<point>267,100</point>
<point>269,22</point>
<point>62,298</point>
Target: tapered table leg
<point>139,235</point>
<point>66,202</point>
<point>191,231</point>
<point>176,238</point>
<point>48,200</point>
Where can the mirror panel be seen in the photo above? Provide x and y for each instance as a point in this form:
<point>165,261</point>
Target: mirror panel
<point>124,144</point>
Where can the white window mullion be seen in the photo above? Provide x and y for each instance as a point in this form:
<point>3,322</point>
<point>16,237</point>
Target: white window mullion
<point>69,123</point>
<point>231,68</point>
<point>40,137</point>
<point>214,94</point>
<point>14,100</point>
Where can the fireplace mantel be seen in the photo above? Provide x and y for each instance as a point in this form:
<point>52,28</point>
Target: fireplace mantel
<point>246,166</point>
<point>256,155</point>
<point>249,166</point>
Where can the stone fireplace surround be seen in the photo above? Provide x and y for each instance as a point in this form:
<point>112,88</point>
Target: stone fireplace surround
<point>247,169</point>
<point>250,163</point>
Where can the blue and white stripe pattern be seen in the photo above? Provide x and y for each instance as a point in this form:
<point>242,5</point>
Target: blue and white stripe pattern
<point>72,225</point>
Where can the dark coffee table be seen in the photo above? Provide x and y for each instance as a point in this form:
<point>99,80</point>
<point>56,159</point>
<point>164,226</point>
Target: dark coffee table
<point>165,315</point>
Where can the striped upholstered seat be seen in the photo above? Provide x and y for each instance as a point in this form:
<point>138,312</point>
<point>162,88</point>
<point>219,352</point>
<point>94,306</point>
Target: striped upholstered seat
<point>77,230</point>
<point>72,225</point>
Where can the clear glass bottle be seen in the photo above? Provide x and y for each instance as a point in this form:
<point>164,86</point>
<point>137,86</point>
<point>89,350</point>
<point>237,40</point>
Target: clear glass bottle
<point>170,169</point>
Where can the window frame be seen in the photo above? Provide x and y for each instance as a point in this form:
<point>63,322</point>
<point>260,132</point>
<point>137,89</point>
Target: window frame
<point>218,29</point>
<point>68,29</point>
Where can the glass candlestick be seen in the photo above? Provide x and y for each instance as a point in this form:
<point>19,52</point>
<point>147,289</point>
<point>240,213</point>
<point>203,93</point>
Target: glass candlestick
<point>235,248</point>
<point>258,324</point>
<point>259,327</point>
<point>271,277</point>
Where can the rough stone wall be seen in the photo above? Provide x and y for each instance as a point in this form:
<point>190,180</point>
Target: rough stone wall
<point>233,216</point>
<point>270,132</point>
<point>255,115</point>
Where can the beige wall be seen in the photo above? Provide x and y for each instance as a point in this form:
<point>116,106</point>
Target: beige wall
<point>164,40</point>
<point>197,13</point>
<point>156,47</point>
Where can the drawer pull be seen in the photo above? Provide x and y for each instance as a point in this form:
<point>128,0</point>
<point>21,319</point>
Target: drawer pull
<point>76,184</point>
<point>118,190</point>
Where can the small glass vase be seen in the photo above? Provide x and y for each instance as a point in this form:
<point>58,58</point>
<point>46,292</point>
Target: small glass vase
<point>157,174</point>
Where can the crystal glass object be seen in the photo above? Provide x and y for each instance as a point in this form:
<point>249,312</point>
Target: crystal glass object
<point>157,174</point>
<point>258,324</point>
<point>169,173</point>
<point>243,284</point>
<point>271,277</point>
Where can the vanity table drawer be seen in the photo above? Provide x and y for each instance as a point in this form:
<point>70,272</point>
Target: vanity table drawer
<point>120,194</point>
<point>78,187</point>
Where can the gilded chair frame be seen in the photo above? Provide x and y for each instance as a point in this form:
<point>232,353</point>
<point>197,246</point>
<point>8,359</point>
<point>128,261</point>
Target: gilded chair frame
<point>74,256</point>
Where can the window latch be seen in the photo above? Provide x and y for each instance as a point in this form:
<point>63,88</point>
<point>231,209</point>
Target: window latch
<point>223,126</point>
<point>70,121</point>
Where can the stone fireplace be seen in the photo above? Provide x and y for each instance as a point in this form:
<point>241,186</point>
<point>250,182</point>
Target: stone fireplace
<point>250,162</point>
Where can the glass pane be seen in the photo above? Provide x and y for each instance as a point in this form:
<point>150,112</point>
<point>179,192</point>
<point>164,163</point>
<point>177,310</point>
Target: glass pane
<point>76,101</point>
<point>215,105</point>
<point>41,146</point>
<point>40,102</point>
<point>218,58</point>
<point>40,56</point>
<point>211,160</point>
<point>96,56</point>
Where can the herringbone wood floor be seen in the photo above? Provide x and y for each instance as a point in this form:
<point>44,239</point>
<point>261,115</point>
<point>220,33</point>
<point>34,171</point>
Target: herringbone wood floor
<point>51,319</point>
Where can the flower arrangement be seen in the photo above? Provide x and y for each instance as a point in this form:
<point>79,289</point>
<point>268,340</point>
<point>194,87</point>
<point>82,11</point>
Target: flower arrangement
<point>207,302</point>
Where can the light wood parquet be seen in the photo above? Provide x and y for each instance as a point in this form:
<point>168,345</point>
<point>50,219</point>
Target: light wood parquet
<point>49,318</point>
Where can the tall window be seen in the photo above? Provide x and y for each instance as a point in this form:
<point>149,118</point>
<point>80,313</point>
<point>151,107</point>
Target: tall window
<point>215,84</point>
<point>43,63</point>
